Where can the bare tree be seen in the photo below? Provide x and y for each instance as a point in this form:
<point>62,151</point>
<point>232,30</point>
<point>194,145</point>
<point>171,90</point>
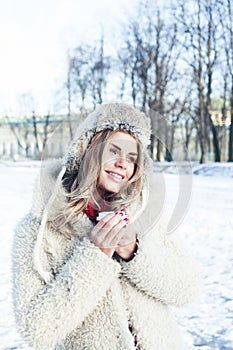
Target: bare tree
<point>68,85</point>
<point>21,127</point>
<point>89,71</point>
<point>100,68</point>
<point>149,57</point>
<point>211,55</point>
<point>123,64</point>
<point>21,132</point>
<point>226,13</point>
<point>80,74</point>
<point>199,20</point>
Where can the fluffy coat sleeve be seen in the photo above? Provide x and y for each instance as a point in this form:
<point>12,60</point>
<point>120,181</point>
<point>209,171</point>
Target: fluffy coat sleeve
<point>163,269</point>
<point>47,312</point>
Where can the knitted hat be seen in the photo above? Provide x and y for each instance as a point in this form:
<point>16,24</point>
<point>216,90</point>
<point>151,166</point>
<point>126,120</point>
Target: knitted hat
<point>112,116</point>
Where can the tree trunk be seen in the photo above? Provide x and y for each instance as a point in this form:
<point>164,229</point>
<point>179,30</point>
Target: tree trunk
<point>217,151</point>
<point>35,135</point>
<point>230,159</point>
<point>152,144</point>
<point>159,152</point>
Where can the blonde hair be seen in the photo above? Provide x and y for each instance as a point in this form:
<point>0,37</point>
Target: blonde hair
<point>79,187</point>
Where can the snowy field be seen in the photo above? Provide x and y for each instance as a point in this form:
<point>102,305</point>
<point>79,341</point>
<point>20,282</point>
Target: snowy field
<point>207,228</point>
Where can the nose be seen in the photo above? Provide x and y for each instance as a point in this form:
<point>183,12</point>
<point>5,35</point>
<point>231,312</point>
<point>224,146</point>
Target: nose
<point>121,163</point>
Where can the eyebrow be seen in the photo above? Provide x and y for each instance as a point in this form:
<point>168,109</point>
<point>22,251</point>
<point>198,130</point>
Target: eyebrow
<point>119,149</point>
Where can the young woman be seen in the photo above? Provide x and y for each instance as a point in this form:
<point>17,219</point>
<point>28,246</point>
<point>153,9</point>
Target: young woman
<point>86,281</point>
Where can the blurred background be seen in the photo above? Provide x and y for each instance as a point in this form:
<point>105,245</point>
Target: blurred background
<point>173,59</point>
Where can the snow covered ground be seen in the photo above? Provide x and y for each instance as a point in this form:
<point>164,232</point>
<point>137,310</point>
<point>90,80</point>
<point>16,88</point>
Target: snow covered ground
<point>207,228</point>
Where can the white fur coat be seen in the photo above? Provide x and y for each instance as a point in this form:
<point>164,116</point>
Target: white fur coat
<point>69,295</point>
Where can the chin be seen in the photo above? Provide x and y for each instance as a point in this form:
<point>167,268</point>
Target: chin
<point>107,192</point>
<point>112,190</point>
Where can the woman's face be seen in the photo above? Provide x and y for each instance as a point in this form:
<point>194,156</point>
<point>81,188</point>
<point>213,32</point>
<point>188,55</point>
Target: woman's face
<point>118,162</point>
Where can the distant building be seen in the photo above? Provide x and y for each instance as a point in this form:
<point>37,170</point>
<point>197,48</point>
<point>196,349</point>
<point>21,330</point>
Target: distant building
<point>18,139</point>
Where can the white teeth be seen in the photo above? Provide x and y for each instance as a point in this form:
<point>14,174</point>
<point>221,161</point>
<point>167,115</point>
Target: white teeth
<point>116,175</point>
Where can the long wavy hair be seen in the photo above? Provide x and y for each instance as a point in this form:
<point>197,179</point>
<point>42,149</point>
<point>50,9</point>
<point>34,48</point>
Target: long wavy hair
<point>79,187</point>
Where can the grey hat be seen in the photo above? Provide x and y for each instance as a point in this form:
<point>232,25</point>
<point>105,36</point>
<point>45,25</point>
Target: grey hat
<point>112,116</point>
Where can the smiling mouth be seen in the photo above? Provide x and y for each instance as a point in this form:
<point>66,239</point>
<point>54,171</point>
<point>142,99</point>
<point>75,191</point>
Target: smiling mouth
<point>115,176</point>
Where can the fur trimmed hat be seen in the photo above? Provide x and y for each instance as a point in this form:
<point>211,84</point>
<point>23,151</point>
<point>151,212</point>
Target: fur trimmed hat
<point>112,116</point>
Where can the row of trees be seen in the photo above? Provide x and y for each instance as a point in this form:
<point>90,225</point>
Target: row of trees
<point>175,63</point>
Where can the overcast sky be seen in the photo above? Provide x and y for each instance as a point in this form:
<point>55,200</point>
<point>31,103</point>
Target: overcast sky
<point>35,36</point>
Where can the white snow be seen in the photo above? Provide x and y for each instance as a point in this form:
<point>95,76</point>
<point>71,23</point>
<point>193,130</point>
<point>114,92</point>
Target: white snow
<point>208,231</point>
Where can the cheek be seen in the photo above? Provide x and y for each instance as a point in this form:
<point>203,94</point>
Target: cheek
<point>107,156</point>
<point>101,176</point>
<point>107,160</point>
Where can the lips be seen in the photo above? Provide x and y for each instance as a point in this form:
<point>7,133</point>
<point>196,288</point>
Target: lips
<point>115,176</point>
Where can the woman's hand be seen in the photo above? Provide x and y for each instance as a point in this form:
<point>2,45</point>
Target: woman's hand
<point>109,231</point>
<point>127,245</point>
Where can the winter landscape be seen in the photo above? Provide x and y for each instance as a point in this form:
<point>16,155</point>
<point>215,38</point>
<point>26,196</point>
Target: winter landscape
<point>208,230</point>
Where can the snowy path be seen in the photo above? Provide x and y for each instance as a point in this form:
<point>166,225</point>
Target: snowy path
<point>208,229</point>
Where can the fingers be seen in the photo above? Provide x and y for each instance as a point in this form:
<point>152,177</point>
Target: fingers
<point>126,212</point>
<point>108,232</point>
<point>128,237</point>
<point>114,236</point>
